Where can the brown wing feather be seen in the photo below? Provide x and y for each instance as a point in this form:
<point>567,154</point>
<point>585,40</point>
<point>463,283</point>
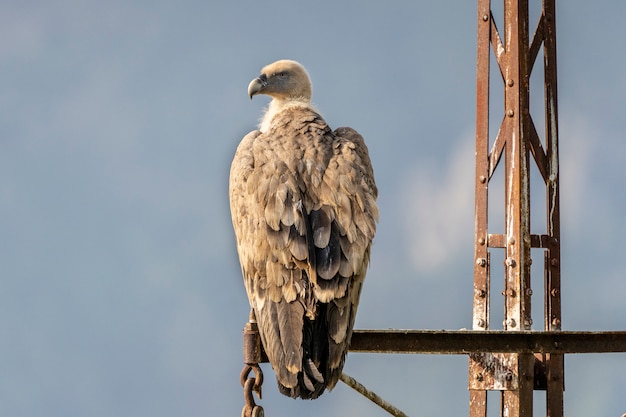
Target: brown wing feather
<point>303,202</point>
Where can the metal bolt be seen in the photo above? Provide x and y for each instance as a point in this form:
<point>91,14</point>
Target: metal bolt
<point>554,292</point>
<point>529,292</point>
<point>479,377</point>
<point>528,322</point>
<point>481,241</point>
<point>510,292</point>
<point>481,262</point>
<point>556,321</point>
<point>511,322</point>
<point>512,241</point>
<point>485,17</point>
<point>510,113</point>
<point>480,323</point>
<point>554,262</point>
<point>481,293</point>
<point>508,376</point>
<point>510,82</point>
<point>482,179</point>
<point>510,262</point>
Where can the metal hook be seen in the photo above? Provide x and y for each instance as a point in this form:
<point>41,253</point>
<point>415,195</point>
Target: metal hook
<point>258,377</point>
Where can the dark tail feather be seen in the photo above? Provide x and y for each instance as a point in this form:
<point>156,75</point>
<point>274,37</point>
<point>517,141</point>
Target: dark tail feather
<point>310,371</point>
<point>318,373</point>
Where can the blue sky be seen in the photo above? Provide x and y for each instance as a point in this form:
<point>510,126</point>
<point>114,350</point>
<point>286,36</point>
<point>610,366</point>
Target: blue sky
<point>121,292</point>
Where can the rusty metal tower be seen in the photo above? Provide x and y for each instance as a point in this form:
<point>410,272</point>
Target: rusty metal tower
<point>516,375</point>
<point>514,360</point>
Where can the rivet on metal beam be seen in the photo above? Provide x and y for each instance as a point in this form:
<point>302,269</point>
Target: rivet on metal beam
<point>511,323</point>
<point>481,241</point>
<point>512,241</point>
<point>510,292</point>
<point>554,262</point>
<point>556,321</point>
<point>481,262</point>
<point>510,82</point>
<point>508,376</point>
<point>510,262</point>
<point>529,292</point>
<point>528,322</point>
<point>479,377</point>
<point>480,323</point>
<point>485,17</point>
<point>482,179</point>
<point>510,113</point>
<point>481,293</point>
<point>554,292</point>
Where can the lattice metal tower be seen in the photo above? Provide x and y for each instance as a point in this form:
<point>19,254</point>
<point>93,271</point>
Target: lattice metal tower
<point>516,375</point>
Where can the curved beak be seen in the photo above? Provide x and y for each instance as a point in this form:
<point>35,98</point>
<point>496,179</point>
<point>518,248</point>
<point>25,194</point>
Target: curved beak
<point>257,85</point>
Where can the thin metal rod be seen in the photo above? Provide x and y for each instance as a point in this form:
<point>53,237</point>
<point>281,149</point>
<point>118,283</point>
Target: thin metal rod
<point>370,395</point>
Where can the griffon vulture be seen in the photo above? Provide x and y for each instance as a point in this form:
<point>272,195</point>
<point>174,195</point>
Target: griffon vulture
<point>303,205</point>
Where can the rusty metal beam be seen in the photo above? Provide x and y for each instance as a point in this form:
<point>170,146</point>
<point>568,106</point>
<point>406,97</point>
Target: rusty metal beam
<point>517,314</point>
<point>554,363</point>
<point>481,254</point>
<point>470,341</point>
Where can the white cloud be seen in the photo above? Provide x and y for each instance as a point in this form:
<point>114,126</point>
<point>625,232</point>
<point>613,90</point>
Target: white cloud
<point>441,208</point>
<point>575,156</point>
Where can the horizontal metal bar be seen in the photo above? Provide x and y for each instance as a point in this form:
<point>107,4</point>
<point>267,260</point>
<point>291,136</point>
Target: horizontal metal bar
<point>466,341</point>
<point>536,241</point>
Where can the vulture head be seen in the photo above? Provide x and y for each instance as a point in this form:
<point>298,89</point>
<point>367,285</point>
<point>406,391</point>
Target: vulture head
<point>284,80</point>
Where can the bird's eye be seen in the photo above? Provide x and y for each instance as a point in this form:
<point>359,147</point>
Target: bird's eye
<point>282,74</point>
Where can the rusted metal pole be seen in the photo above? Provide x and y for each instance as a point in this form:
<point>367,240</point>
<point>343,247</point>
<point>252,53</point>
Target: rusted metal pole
<point>480,321</point>
<point>554,362</point>
<point>481,264</point>
<point>518,399</point>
